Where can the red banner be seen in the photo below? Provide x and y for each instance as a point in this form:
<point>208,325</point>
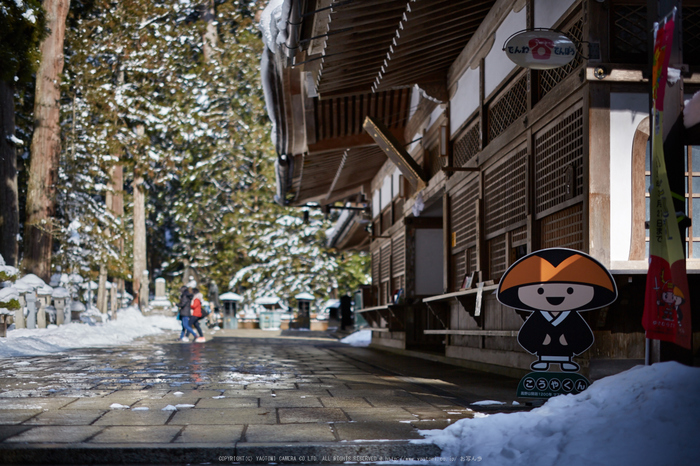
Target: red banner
<point>667,301</point>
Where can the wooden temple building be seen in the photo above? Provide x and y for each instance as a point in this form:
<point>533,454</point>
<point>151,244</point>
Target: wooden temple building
<point>452,162</point>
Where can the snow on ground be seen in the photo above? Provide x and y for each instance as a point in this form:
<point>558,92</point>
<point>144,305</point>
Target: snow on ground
<point>645,416</point>
<point>130,324</point>
<point>361,338</point>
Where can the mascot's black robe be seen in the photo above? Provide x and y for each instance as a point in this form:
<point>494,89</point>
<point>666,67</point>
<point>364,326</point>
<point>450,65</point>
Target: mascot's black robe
<point>576,331</point>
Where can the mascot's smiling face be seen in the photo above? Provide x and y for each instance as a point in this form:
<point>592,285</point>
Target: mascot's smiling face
<point>556,296</point>
<point>557,279</point>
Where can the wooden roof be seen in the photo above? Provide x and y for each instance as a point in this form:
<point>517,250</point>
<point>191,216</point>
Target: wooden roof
<point>373,53</point>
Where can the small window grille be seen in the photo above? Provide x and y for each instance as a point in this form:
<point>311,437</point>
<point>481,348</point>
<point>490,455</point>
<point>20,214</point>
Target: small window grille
<point>505,193</point>
<point>375,269</point>
<point>398,255</point>
<point>468,145</point>
<point>558,147</point>
<point>629,33</point>
<point>497,257</point>
<point>386,262</point>
<point>507,107</point>
<point>563,229</point>
<point>548,79</point>
<point>463,212</point>
<point>691,35</point>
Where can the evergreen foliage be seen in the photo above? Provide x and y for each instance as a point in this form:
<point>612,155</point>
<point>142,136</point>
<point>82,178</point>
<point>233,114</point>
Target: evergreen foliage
<point>138,92</point>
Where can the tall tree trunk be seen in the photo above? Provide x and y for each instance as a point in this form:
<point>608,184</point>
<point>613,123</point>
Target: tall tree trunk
<point>9,204</point>
<point>139,236</point>
<point>46,145</point>
<point>209,38</point>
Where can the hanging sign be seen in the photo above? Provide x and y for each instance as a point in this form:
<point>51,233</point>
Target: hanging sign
<point>540,49</point>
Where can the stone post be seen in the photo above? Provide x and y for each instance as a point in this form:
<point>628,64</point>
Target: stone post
<point>31,306</point>
<point>143,293</point>
<point>19,313</point>
<point>60,305</point>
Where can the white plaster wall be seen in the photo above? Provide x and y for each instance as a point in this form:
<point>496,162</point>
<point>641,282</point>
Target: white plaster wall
<point>386,192</point>
<point>465,100</point>
<point>548,12</point>
<point>627,110</point>
<point>416,94</point>
<point>428,262</point>
<point>437,113</point>
<point>375,203</point>
<point>497,65</point>
<point>395,182</point>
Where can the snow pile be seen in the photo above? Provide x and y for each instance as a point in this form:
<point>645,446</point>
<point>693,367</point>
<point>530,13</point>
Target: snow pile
<point>645,416</point>
<point>130,324</point>
<point>361,338</point>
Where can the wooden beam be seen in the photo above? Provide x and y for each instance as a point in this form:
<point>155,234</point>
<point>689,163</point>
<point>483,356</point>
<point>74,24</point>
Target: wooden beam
<point>396,152</point>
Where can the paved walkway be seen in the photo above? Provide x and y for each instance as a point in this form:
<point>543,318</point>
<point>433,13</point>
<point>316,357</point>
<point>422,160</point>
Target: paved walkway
<point>245,396</point>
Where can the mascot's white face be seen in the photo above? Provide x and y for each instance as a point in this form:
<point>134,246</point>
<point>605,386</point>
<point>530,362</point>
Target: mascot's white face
<point>556,296</point>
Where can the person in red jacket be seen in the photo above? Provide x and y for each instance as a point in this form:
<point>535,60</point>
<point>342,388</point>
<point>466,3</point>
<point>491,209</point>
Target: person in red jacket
<point>197,314</point>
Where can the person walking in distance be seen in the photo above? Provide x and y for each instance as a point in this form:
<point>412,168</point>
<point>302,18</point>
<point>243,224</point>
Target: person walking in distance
<point>197,314</point>
<point>185,310</point>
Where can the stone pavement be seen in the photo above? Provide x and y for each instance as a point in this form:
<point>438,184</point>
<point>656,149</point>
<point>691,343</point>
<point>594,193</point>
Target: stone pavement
<point>244,396</point>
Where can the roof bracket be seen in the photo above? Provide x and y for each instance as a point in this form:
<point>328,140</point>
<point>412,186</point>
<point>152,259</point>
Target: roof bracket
<point>395,151</point>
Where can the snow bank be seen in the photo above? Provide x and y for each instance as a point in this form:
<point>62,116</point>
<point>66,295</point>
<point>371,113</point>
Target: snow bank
<point>361,338</point>
<point>130,324</point>
<point>645,416</point>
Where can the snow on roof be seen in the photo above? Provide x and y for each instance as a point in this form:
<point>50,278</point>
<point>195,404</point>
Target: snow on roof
<point>45,290</point>
<point>268,300</point>
<point>273,23</point>
<point>32,280</point>
<point>230,297</point>
<point>60,292</point>
<point>307,296</point>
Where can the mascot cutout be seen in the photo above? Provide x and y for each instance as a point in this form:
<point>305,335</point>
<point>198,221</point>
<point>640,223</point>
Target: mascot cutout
<point>555,285</point>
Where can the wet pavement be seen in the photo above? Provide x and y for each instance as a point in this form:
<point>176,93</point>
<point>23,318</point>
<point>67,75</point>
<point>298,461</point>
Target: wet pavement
<point>244,396</point>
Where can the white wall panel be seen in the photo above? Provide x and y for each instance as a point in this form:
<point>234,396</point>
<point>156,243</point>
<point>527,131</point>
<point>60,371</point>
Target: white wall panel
<point>465,101</point>
<point>386,192</point>
<point>548,12</point>
<point>626,112</point>
<point>497,65</point>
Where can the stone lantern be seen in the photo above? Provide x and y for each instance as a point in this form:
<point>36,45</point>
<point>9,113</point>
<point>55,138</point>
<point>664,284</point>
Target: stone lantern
<point>27,287</point>
<point>61,297</point>
<point>44,308</point>
<point>304,301</point>
<point>229,302</point>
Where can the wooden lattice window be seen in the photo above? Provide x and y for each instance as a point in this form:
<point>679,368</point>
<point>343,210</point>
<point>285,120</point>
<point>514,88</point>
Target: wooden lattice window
<point>463,263</point>
<point>497,257</point>
<point>459,269</point>
<point>563,229</point>
<point>398,255</point>
<point>691,35</point>
<point>376,279</point>
<point>386,262</point>
<point>548,79</point>
<point>467,145</point>
<point>505,193</point>
<point>463,213</point>
<point>386,219</point>
<point>629,33</point>
<point>559,161</point>
<point>507,107</point>
<point>397,209</point>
